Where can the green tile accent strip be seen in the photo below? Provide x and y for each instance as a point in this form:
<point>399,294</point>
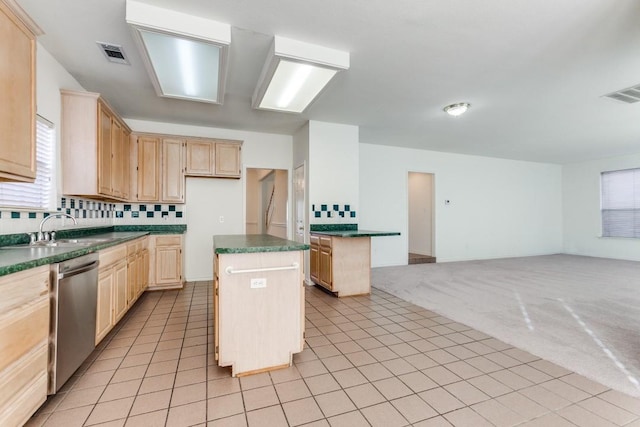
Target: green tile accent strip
<point>332,227</point>
<point>251,243</point>
<point>357,233</point>
<point>154,229</point>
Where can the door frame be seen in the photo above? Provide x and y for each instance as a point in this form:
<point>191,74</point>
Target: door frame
<point>302,167</point>
<point>434,210</point>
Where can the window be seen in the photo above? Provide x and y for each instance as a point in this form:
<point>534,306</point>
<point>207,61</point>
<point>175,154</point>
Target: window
<point>34,195</point>
<point>621,203</point>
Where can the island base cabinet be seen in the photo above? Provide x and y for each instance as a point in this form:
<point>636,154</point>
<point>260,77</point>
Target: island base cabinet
<point>259,314</point>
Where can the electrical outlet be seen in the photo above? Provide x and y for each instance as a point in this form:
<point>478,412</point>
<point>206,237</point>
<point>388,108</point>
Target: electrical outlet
<point>258,283</point>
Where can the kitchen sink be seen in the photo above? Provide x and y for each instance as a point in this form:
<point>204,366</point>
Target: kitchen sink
<point>83,240</point>
<point>61,243</point>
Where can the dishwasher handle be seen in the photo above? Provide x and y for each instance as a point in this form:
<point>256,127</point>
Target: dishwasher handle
<point>79,270</point>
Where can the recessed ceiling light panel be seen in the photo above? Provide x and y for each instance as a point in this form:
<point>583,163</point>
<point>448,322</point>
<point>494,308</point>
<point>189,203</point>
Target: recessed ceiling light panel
<point>295,73</point>
<point>185,55</point>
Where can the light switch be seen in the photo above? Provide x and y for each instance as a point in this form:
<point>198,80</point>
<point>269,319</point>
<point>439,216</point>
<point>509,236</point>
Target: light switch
<point>221,219</point>
<point>259,283</point>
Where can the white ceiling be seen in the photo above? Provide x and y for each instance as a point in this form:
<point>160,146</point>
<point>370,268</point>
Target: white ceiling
<point>533,71</point>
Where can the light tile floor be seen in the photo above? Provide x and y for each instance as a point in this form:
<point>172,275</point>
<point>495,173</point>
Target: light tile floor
<point>369,361</point>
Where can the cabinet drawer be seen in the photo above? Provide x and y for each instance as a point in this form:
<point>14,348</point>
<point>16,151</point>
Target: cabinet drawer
<point>325,242</point>
<point>22,288</point>
<point>21,330</point>
<point>173,240</point>
<point>112,255</point>
<point>19,375</point>
<point>134,247</point>
<point>314,240</point>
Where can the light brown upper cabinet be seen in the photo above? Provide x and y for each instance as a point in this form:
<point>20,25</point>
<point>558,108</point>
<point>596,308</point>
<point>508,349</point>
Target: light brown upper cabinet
<point>95,148</point>
<point>17,86</point>
<point>160,169</point>
<point>200,158</point>
<point>217,158</point>
<point>228,160</point>
<point>172,170</point>
<point>148,168</point>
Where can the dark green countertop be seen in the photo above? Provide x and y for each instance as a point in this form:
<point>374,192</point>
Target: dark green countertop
<point>250,243</point>
<point>357,233</point>
<point>14,259</point>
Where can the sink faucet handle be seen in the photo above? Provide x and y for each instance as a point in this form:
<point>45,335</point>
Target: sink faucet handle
<point>32,238</point>
<point>52,235</point>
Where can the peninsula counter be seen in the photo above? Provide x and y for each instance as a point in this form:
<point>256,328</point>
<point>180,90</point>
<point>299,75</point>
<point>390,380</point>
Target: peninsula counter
<point>341,258</point>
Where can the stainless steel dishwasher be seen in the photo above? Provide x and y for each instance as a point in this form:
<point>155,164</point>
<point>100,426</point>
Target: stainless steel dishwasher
<point>74,295</point>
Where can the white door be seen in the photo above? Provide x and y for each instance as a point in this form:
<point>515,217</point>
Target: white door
<point>299,204</point>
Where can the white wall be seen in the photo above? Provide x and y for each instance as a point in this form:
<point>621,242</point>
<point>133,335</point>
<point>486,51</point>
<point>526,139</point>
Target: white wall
<point>499,208</point>
<point>207,199</point>
<point>333,166</point>
<point>50,78</point>
<point>420,213</point>
<point>581,210</point>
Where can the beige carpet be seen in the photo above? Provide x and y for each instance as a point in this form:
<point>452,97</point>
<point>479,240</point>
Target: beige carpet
<point>582,313</point>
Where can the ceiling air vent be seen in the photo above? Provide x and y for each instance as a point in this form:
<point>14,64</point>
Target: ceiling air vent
<point>629,95</point>
<point>113,53</point>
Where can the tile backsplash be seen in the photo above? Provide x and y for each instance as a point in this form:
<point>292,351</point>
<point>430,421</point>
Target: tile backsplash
<point>332,213</point>
<point>93,213</point>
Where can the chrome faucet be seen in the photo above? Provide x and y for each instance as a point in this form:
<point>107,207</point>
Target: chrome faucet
<point>45,236</point>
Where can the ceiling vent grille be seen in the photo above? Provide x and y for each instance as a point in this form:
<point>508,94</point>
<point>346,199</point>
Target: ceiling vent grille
<point>113,53</point>
<point>629,95</point>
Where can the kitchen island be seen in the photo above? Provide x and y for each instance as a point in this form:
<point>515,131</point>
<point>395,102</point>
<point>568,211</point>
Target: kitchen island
<point>258,302</point>
<point>341,258</point>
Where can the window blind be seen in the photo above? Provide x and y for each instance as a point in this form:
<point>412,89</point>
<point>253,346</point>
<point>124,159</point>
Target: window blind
<point>621,203</point>
<point>36,194</point>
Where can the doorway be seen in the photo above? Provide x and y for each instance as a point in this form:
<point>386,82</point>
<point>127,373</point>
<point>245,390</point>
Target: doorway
<point>266,203</point>
<point>421,218</point>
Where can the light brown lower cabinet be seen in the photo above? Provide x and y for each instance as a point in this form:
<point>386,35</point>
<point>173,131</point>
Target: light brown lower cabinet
<point>341,264</point>
<point>112,289</point>
<point>165,253</point>
<point>24,334</point>
<point>121,280</point>
<point>137,269</point>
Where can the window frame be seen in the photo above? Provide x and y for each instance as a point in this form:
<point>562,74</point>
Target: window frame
<point>620,203</point>
<point>40,191</point>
